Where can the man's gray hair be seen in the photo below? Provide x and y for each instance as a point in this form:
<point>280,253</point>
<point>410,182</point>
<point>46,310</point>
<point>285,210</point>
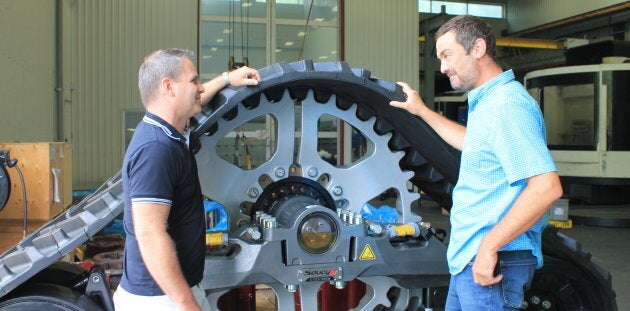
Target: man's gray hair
<point>158,65</point>
<point>467,30</point>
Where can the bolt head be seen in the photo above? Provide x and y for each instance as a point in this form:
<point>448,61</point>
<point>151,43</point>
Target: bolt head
<point>253,192</point>
<point>337,191</point>
<point>312,172</point>
<point>280,172</point>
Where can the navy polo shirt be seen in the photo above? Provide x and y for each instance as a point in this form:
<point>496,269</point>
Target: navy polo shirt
<point>158,168</point>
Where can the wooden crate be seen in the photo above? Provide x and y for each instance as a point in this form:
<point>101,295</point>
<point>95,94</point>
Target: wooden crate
<point>47,170</point>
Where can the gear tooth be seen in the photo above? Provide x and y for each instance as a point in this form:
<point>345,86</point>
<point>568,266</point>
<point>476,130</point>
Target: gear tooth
<point>371,121</point>
<point>252,101</point>
<point>298,93</point>
<point>399,155</point>
<point>440,191</point>
<point>398,142</point>
<point>436,175</point>
<point>231,114</point>
<point>408,175</point>
<point>364,113</point>
<point>323,95</point>
<point>274,94</point>
<point>428,174</point>
<point>211,129</point>
<point>382,127</point>
<point>343,103</point>
<point>413,158</point>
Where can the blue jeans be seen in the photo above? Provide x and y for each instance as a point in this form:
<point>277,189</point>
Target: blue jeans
<point>517,268</point>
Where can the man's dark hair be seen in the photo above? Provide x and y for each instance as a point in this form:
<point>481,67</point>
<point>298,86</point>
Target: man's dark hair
<point>467,30</point>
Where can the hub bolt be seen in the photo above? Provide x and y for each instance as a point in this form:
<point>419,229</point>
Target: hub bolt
<point>253,192</point>
<point>337,191</point>
<point>535,300</point>
<point>312,172</point>
<point>280,172</point>
<point>340,284</point>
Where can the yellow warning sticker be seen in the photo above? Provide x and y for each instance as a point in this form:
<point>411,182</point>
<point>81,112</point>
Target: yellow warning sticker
<point>367,253</point>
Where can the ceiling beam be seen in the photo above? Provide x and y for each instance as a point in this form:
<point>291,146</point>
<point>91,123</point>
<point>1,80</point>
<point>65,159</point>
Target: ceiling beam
<point>523,43</point>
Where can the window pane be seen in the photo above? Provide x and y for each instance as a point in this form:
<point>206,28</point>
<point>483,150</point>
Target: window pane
<point>317,43</point>
<point>320,10</point>
<point>453,8</point>
<point>616,83</point>
<point>233,8</point>
<point>220,40</point>
<point>568,104</point>
<point>304,29</point>
<point>424,6</point>
<point>485,10</point>
<point>462,7</point>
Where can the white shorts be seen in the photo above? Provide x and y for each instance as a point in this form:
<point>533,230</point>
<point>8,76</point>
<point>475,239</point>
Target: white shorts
<point>124,300</point>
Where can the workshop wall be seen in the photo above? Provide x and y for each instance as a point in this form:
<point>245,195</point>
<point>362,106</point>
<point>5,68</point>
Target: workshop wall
<point>27,70</point>
<point>104,43</point>
<point>526,14</point>
<point>383,37</point>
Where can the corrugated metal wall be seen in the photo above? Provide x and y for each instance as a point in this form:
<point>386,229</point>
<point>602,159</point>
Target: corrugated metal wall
<point>27,71</point>
<point>382,36</point>
<point>104,43</point>
<point>526,14</point>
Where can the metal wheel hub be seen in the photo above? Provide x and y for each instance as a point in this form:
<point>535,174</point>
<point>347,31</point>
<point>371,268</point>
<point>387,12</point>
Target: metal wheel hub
<point>350,187</point>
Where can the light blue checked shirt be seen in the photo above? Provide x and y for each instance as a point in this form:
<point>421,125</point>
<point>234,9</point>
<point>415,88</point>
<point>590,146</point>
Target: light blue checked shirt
<point>504,144</point>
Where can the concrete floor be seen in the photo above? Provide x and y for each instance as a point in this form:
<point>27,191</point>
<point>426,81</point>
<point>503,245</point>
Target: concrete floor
<point>609,247</point>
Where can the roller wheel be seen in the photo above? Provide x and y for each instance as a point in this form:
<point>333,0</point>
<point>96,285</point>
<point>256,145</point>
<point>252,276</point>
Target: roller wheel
<point>49,297</point>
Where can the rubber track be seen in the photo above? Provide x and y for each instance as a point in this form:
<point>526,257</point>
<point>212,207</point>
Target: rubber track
<point>434,162</point>
<point>570,251</point>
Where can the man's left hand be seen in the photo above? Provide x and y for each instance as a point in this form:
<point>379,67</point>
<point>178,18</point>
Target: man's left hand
<point>244,76</point>
<point>484,266</point>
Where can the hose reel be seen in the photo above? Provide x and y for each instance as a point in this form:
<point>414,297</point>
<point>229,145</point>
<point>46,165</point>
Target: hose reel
<point>5,180</point>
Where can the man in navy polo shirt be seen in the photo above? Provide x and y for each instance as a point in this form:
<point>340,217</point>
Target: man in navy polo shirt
<point>507,179</point>
<point>164,215</point>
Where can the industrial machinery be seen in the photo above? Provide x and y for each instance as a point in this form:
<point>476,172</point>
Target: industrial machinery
<point>586,112</point>
<point>295,221</point>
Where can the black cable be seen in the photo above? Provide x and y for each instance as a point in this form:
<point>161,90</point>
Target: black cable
<point>308,17</point>
<point>231,34</point>
<point>23,199</point>
<point>247,33</point>
<point>242,36</point>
